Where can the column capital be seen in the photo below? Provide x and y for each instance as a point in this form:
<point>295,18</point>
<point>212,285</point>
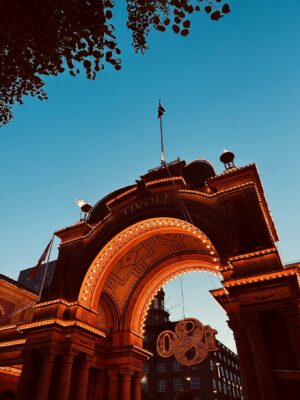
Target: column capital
<point>138,375</point>
<point>101,372</point>
<point>238,327</point>
<point>49,353</point>
<point>27,356</point>
<point>290,315</point>
<point>113,374</point>
<point>86,358</point>
<point>126,371</point>
<point>250,322</point>
<point>70,352</point>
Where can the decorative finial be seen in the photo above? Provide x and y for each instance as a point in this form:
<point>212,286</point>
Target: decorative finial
<point>84,206</point>
<point>227,158</point>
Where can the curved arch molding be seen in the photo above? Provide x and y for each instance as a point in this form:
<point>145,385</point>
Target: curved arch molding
<point>181,246</point>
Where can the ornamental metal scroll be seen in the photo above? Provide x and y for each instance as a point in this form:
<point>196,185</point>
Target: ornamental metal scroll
<point>190,343</point>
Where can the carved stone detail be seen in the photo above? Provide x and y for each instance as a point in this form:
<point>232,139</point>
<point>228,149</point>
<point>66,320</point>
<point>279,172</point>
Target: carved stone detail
<point>266,294</point>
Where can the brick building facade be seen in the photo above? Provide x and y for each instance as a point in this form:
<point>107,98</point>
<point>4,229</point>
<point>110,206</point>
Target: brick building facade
<point>217,378</point>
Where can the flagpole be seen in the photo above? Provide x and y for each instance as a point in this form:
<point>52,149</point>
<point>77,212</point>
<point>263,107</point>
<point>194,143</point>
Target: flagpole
<point>46,269</point>
<point>162,142</point>
<point>160,115</point>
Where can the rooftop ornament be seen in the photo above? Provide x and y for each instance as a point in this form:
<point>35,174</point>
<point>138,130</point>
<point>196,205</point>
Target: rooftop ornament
<point>227,158</point>
<point>84,206</point>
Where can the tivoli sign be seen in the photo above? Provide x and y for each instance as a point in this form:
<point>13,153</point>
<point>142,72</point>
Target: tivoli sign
<point>190,343</point>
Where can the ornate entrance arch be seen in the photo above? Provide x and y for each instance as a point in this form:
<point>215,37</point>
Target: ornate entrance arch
<point>87,331</point>
<point>138,261</point>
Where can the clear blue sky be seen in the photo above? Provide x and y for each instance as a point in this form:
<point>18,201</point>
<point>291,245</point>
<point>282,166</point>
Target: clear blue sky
<point>231,84</point>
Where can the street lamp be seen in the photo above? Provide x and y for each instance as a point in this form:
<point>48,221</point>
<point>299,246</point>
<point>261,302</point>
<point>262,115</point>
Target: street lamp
<point>218,369</point>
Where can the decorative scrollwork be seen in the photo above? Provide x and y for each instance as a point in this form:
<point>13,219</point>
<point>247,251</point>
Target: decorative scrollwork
<point>190,343</point>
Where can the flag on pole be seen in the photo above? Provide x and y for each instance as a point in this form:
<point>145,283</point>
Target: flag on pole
<point>160,110</point>
<point>42,258</point>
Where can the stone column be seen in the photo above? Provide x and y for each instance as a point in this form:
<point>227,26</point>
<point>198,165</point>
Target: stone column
<point>291,320</point>
<point>65,376</point>
<point>99,385</point>
<point>137,386</point>
<point>43,384</point>
<point>126,385</point>
<point>25,381</point>
<point>265,376</point>
<point>81,393</point>
<point>113,384</point>
<point>245,360</point>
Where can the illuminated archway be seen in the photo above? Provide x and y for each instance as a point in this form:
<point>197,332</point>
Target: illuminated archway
<point>138,261</point>
<point>133,242</point>
<point>140,302</point>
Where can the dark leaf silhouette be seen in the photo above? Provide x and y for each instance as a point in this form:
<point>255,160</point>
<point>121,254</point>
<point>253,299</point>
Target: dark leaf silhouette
<point>225,9</point>
<point>52,37</point>
<point>184,32</point>
<point>161,28</point>
<point>186,24</point>
<point>215,15</point>
<point>176,28</point>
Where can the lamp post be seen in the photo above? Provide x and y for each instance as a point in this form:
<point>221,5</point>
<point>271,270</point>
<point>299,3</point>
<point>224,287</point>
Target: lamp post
<point>218,369</point>
<point>188,379</point>
<point>215,391</point>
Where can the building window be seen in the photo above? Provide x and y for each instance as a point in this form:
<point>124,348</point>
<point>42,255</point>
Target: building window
<point>145,388</point>
<point>146,368</point>
<point>195,383</point>
<point>214,382</point>
<point>220,386</point>
<point>160,367</point>
<point>161,385</point>
<point>177,385</point>
<point>155,303</point>
<point>176,366</point>
<point>211,364</point>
